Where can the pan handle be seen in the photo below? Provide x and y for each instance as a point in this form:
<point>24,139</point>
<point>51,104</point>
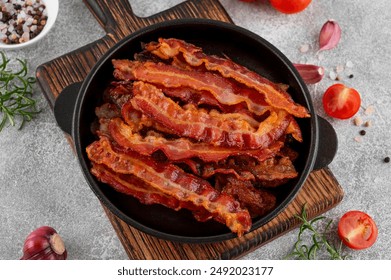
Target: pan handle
<point>64,107</point>
<point>118,19</point>
<point>327,144</point>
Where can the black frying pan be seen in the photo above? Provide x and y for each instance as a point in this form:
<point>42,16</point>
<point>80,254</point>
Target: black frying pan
<point>74,111</point>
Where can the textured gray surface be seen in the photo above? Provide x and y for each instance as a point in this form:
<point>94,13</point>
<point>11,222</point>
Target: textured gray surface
<point>41,183</point>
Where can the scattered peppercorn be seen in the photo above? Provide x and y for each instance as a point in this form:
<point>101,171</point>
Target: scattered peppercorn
<point>387,159</point>
<point>362,132</point>
<point>351,76</point>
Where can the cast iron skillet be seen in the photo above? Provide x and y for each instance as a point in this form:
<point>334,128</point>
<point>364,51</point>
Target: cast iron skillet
<point>74,111</point>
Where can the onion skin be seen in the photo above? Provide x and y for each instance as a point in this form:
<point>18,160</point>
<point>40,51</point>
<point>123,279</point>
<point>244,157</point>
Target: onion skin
<point>44,243</point>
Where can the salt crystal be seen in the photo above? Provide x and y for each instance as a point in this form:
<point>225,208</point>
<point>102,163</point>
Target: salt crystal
<point>29,21</point>
<point>13,36</point>
<point>349,64</point>
<point>26,36</point>
<point>320,56</point>
<point>358,139</point>
<point>332,75</point>
<point>304,48</point>
<point>11,28</point>
<point>369,110</point>
<point>339,68</point>
<point>25,28</point>
<point>9,7</point>
<point>33,28</point>
<point>357,121</point>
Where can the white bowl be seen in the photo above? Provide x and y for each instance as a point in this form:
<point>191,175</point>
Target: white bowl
<point>52,11</point>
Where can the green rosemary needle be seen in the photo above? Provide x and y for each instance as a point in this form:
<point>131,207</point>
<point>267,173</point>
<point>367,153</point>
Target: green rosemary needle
<point>317,240</point>
<point>16,102</point>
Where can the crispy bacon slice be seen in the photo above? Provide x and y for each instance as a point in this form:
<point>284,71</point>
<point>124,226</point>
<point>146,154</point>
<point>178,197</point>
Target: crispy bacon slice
<point>173,181</point>
<point>133,186</point>
<point>269,173</point>
<point>210,170</point>
<point>259,202</point>
<point>224,90</point>
<point>294,130</point>
<point>274,172</point>
<point>274,95</point>
<point>182,148</point>
<point>107,111</point>
<point>191,96</point>
<point>210,127</point>
<point>138,120</point>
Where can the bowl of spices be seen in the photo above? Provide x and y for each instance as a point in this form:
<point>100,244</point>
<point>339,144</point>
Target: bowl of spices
<point>25,22</point>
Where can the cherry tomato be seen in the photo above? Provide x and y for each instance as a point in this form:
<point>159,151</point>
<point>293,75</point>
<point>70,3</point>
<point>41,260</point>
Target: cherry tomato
<point>341,102</point>
<point>290,6</point>
<point>357,230</point>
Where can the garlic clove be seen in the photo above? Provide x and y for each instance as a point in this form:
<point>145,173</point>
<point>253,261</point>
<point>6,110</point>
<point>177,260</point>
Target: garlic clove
<point>311,74</point>
<point>330,35</point>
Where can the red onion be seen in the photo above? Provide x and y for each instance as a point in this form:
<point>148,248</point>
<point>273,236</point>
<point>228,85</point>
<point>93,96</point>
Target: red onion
<point>44,243</point>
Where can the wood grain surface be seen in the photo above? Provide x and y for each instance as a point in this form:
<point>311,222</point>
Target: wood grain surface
<point>320,193</point>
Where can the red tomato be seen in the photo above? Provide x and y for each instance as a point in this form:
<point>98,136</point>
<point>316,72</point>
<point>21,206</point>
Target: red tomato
<point>341,102</point>
<point>357,230</point>
<point>290,6</point>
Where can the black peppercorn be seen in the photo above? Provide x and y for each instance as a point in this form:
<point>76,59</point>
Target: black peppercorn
<point>362,132</point>
<point>351,76</point>
<point>387,159</point>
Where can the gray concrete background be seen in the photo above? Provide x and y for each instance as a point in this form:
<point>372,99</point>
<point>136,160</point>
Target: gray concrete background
<point>41,183</point>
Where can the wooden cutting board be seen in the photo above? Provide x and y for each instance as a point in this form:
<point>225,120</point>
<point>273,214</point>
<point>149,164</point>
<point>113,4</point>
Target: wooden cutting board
<point>320,193</point>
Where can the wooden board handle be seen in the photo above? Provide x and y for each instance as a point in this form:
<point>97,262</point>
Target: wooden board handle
<point>118,20</point>
<point>106,12</point>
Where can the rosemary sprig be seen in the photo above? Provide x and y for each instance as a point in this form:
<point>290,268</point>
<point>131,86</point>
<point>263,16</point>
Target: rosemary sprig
<point>318,240</point>
<point>16,102</point>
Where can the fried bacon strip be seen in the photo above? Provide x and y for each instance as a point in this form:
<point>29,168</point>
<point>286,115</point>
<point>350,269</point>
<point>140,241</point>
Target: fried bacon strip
<point>190,96</point>
<point>268,173</point>
<point>182,148</point>
<point>131,185</point>
<point>274,95</point>
<point>258,202</point>
<point>224,90</point>
<point>274,172</point>
<point>173,181</point>
<point>210,127</point>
